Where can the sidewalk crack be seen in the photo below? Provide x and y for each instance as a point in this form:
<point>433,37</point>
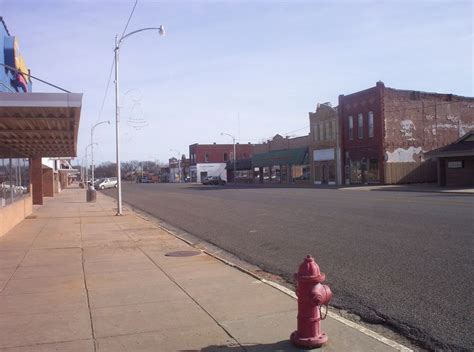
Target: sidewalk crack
<point>86,288</point>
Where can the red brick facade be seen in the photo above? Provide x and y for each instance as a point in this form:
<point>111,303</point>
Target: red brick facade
<point>406,124</point>
<point>36,169</point>
<point>360,149</point>
<point>48,182</point>
<point>218,153</point>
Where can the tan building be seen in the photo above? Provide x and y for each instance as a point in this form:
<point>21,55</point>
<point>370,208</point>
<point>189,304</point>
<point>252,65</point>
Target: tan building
<point>324,148</point>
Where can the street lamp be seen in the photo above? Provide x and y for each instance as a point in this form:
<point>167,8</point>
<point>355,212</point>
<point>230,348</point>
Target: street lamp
<point>233,141</point>
<point>87,173</point>
<point>118,41</point>
<point>92,146</point>
<point>179,162</point>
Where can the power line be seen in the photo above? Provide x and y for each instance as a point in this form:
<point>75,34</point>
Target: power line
<point>130,17</point>
<point>299,129</point>
<point>112,66</point>
<point>106,91</point>
<point>36,78</point>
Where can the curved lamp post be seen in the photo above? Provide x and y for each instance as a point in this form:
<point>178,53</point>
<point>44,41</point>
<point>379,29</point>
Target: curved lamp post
<point>92,146</point>
<point>118,42</point>
<point>235,156</point>
<point>87,173</point>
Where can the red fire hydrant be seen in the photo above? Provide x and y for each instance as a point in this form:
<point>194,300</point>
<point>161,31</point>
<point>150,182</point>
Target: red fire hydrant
<point>311,297</point>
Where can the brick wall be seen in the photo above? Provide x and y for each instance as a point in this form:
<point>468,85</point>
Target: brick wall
<point>37,180</point>
<point>367,148</point>
<point>323,114</point>
<point>215,152</point>
<point>48,182</point>
<point>418,122</point>
<point>424,121</point>
<point>281,143</point>
<point>14,213</point>
<point>323,123</point>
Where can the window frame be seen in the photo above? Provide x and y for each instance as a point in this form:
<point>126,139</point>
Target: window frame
<point>370,124</point>
<point>350,125</point>
<point>360,126</point>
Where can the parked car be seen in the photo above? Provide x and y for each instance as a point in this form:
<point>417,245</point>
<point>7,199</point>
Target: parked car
<point>213,180</point>
<point>98,181</point>
<point>108,183</point>
<point>144,179</point>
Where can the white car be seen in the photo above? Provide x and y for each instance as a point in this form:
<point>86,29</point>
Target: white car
<point>108,183</point>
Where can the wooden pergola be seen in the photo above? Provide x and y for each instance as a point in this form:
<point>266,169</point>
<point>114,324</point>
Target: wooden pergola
<point>39,124</point>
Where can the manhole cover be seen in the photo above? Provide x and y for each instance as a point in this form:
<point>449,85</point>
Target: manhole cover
<point>182,254</point>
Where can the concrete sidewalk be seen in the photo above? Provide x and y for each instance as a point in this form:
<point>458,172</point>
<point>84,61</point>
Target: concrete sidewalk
<point>415,187</point>
<point>75,277</point>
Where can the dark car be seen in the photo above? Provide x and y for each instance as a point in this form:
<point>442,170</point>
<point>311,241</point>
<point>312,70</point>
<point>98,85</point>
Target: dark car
<point>213,180</point>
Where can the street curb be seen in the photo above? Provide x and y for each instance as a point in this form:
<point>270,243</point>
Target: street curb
<point>393,344</point>
<point>292,294</point>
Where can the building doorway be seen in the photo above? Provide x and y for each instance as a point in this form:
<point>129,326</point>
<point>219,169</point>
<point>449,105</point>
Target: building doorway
<point>325,174</point>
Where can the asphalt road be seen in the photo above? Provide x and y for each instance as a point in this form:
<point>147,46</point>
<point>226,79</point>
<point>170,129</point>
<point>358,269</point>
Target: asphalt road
<point>403,259</point>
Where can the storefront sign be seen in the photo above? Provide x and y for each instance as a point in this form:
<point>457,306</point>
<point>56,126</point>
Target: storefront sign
<point>323,154</point>
<point>455,164</point>
<point>14,58</point>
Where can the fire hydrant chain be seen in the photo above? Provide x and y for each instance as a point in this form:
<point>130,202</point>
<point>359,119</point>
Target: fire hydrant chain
<point>312,295</point>
<point>326,313</point>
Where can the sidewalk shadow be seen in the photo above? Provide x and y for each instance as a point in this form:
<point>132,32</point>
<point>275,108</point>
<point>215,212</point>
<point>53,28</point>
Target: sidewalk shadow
<point>281,346</point>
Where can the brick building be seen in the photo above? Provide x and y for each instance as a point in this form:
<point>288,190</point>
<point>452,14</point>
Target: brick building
<point>211,159</point>
<point>324,145</point>
<point>283,160</point>
<point>456,162</point>
<point>385,133</point>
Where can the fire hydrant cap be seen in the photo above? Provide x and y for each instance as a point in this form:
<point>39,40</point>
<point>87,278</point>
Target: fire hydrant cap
<point>309,271</point>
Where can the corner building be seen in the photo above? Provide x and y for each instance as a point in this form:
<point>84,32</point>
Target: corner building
<point>385,133</point>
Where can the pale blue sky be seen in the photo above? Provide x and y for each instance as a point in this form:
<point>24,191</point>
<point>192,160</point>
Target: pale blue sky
<point>270,62</point>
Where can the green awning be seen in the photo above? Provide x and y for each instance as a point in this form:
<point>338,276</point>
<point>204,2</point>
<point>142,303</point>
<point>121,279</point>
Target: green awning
<point>297,156</point>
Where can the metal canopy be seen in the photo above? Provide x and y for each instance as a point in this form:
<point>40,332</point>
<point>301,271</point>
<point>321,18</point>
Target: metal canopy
<point>39,124</point>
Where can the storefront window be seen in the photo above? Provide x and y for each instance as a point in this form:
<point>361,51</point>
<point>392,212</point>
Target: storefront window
<point>284,173</point>
<point>243,176</point>
<point>14,180</point>
<point>275,173</point>
<point>266,174</point>
<point>301,172</point>
<point>356,172</point>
